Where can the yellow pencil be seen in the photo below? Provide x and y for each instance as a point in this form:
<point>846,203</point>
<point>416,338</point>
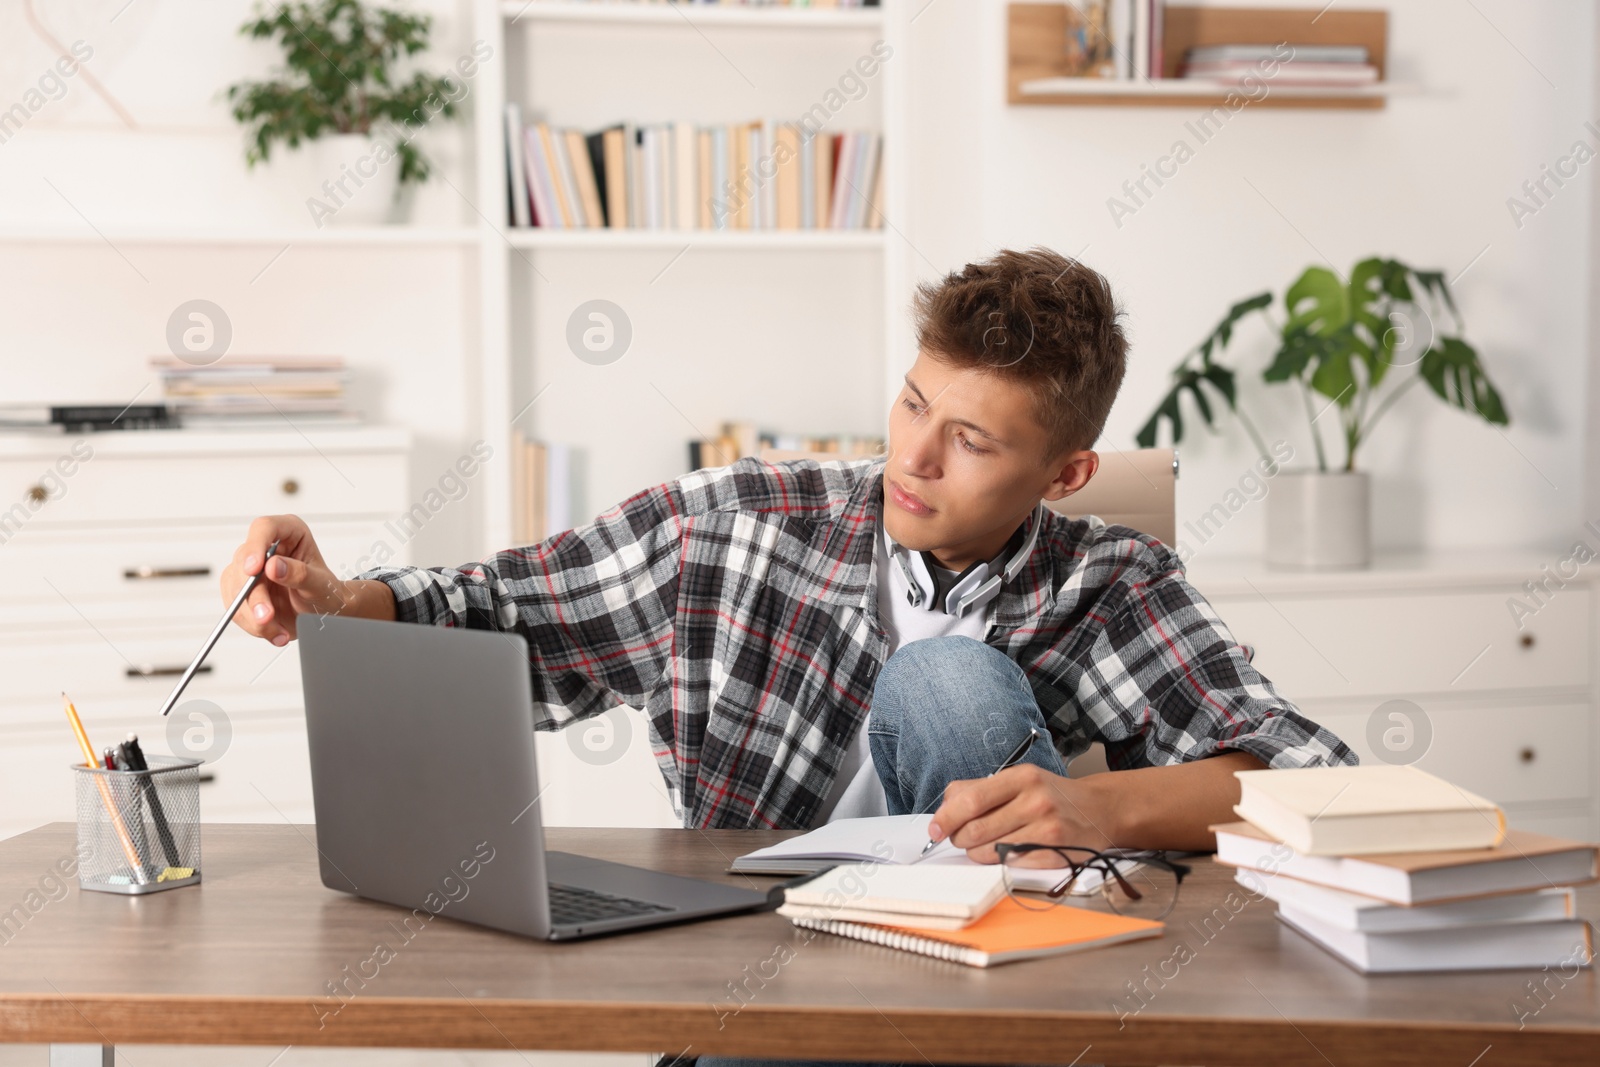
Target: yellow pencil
<point>89,760</point>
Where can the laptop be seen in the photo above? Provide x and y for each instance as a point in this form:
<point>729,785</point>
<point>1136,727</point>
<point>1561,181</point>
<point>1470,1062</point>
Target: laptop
<point>426,789</point>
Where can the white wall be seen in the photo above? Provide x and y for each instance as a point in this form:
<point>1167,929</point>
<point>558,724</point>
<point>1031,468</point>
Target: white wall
<point>1425,180</point>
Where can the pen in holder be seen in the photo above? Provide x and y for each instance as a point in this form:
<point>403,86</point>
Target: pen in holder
<point>139,830</point>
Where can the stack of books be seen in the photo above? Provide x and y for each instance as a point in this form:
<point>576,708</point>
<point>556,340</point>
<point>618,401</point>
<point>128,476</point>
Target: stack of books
<point>739,440</point>
<point>766,175</point>
<point>1390,868</point>
<point>248,391</point>
<point>541,489</point>
<point>1295,65</point>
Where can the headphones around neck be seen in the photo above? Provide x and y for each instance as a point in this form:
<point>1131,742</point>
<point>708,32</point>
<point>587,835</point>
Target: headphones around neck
<point>974,587</point>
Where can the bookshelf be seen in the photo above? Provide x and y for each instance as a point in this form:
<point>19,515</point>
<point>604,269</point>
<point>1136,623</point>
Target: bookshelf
<point>520,268</point>
<point>1035,72</point>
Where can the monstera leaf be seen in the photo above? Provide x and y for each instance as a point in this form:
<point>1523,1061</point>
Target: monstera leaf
<point>1452,370</point>
<point>1188,380</point>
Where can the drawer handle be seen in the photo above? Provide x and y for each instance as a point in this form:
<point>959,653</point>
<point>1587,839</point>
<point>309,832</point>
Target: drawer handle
<point>37,494</point>
<point>148,671</point>
<point>207,777</point>
<point>145,571</point>
<point>1526,641</point>
<point>1526,755</point>
<point>290,487</point>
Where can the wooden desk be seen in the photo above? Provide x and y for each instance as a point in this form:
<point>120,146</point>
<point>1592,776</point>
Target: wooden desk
<point>248,957</point>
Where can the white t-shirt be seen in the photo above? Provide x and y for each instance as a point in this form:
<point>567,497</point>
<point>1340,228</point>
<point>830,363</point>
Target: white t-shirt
<point>857,793</point>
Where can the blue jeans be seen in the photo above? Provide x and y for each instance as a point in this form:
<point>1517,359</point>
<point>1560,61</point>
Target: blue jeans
<point>944,709</point>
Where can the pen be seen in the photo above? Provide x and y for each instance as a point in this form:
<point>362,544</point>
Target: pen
<point>136,760</point>
<point>227,617</point>
<point>1034,734</point>
<point>89,760</point>
<point>141,843</point>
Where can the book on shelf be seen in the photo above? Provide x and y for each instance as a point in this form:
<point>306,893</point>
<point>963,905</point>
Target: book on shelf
<point>823,4</point>
<point>1286,64</point>
<point>1327,811</point>
<point>761,175</point>
<point>248,391</point>
<point>741,440</point>
<point>1117,40</point>
<point>541,489</point>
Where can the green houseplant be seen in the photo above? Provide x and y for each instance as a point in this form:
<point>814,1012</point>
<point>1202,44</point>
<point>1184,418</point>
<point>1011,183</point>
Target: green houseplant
<point>339,87</point>
<point>1352,345</point>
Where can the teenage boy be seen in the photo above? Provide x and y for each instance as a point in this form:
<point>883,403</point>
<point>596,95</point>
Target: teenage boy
<point>818,640</point>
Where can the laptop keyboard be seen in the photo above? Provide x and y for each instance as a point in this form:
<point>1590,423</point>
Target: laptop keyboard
<point>571,905</point>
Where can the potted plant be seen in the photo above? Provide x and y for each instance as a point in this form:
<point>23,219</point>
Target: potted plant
<point>339,91</point>
<point>1353,346</point>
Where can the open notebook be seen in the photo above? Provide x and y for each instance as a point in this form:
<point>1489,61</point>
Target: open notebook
<point>888,839</point>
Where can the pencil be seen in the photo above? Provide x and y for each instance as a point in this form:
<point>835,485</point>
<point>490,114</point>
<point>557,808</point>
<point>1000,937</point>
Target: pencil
<point>89,760</point>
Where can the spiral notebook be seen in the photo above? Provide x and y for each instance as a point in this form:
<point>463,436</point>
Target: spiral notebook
<point>1008,932</point>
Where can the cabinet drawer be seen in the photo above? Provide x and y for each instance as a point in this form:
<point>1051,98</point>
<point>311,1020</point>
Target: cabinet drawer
<point>1312,647</point>
<point>178,488</point>
<point>97,668</point>
<point>129,575</point>
<point>264,776</point>
<point>1508,754</point>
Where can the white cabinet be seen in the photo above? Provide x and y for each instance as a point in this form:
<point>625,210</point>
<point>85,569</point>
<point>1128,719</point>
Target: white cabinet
<point>1446,661</point>
<point>111,550</point>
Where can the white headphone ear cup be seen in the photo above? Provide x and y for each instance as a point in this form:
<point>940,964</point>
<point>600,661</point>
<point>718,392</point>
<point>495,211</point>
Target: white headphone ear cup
<point>958,604</point>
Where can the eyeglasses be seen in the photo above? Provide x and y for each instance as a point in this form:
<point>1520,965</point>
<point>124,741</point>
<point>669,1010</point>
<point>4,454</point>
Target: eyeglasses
<point>1139,883</point>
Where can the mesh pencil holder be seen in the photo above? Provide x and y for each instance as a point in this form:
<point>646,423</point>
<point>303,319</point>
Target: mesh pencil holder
<point>139,831</point>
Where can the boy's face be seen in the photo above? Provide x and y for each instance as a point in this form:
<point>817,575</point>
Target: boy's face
<point>968,460</point>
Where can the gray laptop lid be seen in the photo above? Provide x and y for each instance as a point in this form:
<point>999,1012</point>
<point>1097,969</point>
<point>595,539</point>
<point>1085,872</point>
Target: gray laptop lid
<point>423,770</point>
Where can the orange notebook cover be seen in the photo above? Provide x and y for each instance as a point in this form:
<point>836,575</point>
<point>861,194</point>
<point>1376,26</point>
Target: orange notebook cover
<point>1008,932</point>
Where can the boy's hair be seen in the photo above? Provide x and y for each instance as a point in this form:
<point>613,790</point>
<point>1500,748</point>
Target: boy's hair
<point>1037,318</point>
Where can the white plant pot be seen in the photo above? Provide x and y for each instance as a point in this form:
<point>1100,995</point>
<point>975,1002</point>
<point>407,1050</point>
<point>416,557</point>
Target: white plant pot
<point>355,180</point>
<point>1319,520</point>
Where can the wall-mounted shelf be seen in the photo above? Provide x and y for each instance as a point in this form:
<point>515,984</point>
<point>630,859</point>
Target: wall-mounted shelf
<point>727,239</point>
<point>1036,55</point>
<point>224,235</point>
<point>683,14</point>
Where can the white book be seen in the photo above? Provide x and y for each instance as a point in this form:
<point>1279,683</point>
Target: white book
<point>634,155</point>
<point>861,205</point>
<point>1141,40</point>
<point>937,898</point>
<point>1522,862</point>
<point>720,209</point>
<point>766,174</point>
<point>1496,947</point>
<point>1352,911</point>
<point>516,168</point>
<point>685,158</point>
<point>1119,27</point>
<point>1350,811</point>
<point>558,489</point>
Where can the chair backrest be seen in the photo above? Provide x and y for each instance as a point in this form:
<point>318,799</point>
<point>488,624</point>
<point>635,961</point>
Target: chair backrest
<point>1136,489</point>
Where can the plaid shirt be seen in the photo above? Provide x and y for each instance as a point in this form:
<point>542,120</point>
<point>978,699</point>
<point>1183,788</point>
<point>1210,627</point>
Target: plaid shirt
<point>738,608</point>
